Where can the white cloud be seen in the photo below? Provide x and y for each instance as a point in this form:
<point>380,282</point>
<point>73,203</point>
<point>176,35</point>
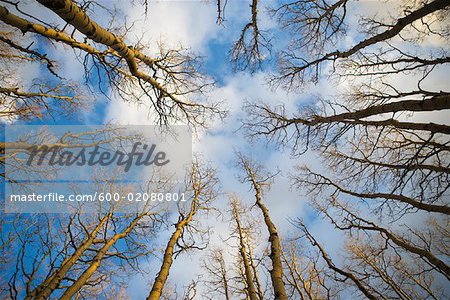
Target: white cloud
<point>190,23</point>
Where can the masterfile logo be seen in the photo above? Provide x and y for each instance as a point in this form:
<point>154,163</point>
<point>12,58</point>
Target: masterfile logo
<point>58,159</point>
<point>58,156</point>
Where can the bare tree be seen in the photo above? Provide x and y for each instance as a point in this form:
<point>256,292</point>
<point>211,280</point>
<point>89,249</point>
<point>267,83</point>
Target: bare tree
<point>387,268</point>
<point>170,81</point>
<point>218,281</point>
<point>237,267</point>
<point>319,23</point>
<point>255,175</point>
<point>253,45</point>
<point>243,252</point>
<point>63,255</point>
<point>305,277</point>
<point>104,251</point>
<point>40,98</point>
<point>316,24</point>
<point>358,282</point>
<point>381,164</point>
<point>201,181</point>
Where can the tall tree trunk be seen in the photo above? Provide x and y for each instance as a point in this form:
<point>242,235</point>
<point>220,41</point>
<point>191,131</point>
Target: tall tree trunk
<point>255,272</point>
<point>276,274</point>
<point>163,273</point>
<point>243,252</point>
<point>74,15</point>
<point>45,289</point>
<point>96,262</point>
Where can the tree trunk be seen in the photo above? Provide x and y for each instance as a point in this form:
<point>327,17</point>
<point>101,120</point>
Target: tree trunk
<point>243,252</point>
<point>163,274</point>
<point>45,289</point>
<point>87,274</point>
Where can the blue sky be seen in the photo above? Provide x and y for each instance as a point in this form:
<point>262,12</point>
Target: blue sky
<point>193,24</point>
